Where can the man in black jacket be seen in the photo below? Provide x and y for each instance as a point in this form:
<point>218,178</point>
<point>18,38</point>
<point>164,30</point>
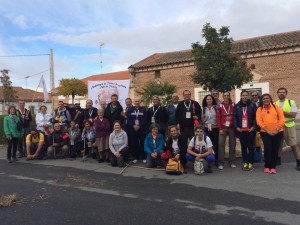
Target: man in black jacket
<point>188,114</point>
<point>89,113</point>
<point>157,114</point>
<point>25,118</point>
<point>114,111</point>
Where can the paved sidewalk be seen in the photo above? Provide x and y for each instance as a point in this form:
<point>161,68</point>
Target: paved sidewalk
<point>285,184</point>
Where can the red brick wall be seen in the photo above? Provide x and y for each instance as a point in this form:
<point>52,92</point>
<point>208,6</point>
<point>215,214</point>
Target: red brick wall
<point>279,70</point>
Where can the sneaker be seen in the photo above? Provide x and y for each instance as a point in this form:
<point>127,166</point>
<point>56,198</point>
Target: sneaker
<point>273,171</point>
<point>134,161</point>
<point>298,167</point>
<point>232,165</point>
<point>245,167</point>
<point>220,167</point>
<point>209,169</point>
<point>267,170</point>
<point>144,161</point>
<point>250,167</point>
<point>14,159</point>
<point>9,161</point>
<point>100,160</point>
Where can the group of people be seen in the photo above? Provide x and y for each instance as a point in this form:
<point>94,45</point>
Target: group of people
<point>183,131</point>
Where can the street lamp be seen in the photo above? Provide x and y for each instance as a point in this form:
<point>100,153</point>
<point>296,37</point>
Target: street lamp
<point>132,74</point>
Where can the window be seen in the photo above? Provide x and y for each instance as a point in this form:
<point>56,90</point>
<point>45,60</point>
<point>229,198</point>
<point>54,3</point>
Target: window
<point>157,74</point>
<point>201,95</point>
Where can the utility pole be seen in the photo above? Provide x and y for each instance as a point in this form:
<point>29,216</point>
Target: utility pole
<point>52,85</point>
<point>101,46</point>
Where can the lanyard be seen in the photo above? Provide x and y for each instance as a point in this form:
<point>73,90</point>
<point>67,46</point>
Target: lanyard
<point>137,113</point>
<point>244,111</point>
<point>187,108</point>
<point>154,112</point>
<point>209,113</point>
<point>90,112</point>
<point>227,112</point>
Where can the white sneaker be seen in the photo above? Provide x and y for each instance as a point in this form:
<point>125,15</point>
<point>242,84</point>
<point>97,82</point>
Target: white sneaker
<point>144,161</point>
<point>232,165</point>
<point>134,161</point>
<point>220,167</point>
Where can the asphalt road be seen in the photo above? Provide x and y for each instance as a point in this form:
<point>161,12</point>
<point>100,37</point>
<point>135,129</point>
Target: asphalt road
<point>54,192</point>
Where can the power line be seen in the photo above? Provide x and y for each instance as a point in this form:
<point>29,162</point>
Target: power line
<point>22,55</point>
<point>26,77</point>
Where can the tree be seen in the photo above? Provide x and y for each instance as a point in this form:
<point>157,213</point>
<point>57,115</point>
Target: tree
<point>163,90</point>
<point>72,87</point>
<point>216,66</point>
<point>8,91</point>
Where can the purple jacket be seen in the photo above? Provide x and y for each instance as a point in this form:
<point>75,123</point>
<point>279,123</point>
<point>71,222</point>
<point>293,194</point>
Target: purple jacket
<point>102,128</point>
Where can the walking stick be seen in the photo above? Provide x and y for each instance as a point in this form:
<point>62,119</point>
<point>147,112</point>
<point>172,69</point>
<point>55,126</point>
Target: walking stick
<point>83,149</point>
<point>54,155</point>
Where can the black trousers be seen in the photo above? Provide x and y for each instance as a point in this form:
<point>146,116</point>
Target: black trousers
<point>137,144</point>
<point>271,147</point>
<point>12,146</point>
<point>187,133</point>
<point>247,145</point>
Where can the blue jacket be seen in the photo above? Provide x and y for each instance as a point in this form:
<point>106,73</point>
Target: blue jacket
<point>172,116</point>
<point>149,143</point>
<point>238,114</point>
<point>140,114</point>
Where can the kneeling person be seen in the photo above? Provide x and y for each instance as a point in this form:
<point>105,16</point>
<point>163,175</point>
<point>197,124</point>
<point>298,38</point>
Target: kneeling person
<point>34,145</point>
<point>154,147</point>
<point>58,141</point>
<point>200,147</point>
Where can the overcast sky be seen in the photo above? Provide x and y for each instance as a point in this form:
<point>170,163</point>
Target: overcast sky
<point>131,30</point>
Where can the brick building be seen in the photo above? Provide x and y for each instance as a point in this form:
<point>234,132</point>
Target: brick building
<point>274,60</point>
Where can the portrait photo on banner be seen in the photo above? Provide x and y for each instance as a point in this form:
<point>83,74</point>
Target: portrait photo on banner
<point>103,90</point>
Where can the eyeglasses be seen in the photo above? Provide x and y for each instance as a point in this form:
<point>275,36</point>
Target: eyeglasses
<point>254,95</point>
<point>215,93</point>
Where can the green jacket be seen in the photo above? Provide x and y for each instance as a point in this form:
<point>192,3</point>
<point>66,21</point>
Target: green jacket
<point>10,126</point>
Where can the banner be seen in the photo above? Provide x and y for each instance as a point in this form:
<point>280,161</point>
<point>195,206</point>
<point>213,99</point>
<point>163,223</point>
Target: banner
<point>42,85</point>
<point>102,90</point>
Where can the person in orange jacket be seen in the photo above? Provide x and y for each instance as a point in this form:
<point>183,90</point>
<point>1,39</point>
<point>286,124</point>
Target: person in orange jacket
<point>270,119</point>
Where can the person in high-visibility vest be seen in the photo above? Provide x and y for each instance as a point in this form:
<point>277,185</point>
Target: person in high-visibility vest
<point>289,109</point>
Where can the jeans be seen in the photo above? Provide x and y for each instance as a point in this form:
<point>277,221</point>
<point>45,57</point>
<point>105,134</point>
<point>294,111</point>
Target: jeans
<point>151,162</point>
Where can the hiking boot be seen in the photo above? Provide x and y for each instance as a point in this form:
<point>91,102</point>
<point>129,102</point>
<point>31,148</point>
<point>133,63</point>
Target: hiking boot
<point>100,160</point>
<point>144,161</point>
<point>134,161</point>
<point>14,159</point>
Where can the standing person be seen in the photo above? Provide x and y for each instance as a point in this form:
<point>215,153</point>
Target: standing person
<point>154,146</point>
<point>74,136</point>
<point>289,134</point>
<point>25,117</point>
<point>35,145</point>
<point>13,133</point>
<point>102,129</point>
<point>225,125</point>
<point>137,120</point>
<point>270,119</point>
<point>216,95</point>
<point>128,102</point>
<point>76,115</point>
<point>255,98</point>
<point>209,121</point>
<point>187,113</point>
<point>58,142</point>
<point>175,147</point>
<point>103,104</point>
<point>89,113</point>
<point>62,116</point>
<point>244,121</point>
<point>157,114</point>
<point>200,147</point>
<point>114,111</point>
<point>171,110</point>
<point>118,141</point>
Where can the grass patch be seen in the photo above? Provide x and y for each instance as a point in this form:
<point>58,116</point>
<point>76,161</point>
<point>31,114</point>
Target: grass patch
<point>8,200</point>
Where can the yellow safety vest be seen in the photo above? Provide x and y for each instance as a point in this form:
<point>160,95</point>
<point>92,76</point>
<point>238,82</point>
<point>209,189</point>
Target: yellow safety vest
<point>289,122</point>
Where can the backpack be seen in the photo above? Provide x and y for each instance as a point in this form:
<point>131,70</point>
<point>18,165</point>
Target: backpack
<point>174,167</point>
<point>57,117</point>
<point>199,167</point>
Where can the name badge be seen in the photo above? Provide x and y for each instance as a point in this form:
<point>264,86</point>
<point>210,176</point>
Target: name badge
<point>209,126</point>
<point>244,123</point>
<point>188,115</point>
<point>227,123</point>
<point>152,119</point>
<point>71,142</point>
<point>90,144</point>
<point>136,122</point>
<point>90,119</point>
